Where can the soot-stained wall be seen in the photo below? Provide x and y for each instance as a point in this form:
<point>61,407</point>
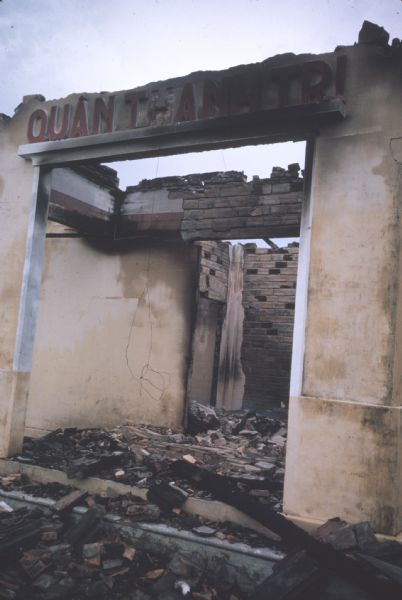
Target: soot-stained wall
<point>242,346</point>
<point>113,334</point>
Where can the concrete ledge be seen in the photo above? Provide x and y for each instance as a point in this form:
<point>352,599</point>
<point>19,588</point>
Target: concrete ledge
<point>208,509</point>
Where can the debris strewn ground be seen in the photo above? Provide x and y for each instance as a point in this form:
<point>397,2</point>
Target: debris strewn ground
<point>80,546</point>
<point>58,553</point>
<point>47,558</point>
<point>245,446</point>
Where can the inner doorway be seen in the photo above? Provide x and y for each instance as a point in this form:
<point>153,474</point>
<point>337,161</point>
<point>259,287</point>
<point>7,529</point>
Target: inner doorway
<point>106,255</point>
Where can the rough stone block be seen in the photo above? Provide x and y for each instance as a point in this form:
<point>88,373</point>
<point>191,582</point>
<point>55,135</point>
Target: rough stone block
<point>189,204</point>
<point>280,187</point>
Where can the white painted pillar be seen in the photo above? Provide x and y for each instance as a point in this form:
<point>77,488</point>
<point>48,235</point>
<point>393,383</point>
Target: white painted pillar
<point>13,407</point>
<point>303,269</point>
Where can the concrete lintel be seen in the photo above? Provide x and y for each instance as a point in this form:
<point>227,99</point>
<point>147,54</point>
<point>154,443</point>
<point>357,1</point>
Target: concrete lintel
<point>287,124</point>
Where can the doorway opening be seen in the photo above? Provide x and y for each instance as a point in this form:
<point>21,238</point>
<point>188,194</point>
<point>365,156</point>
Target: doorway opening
<point>242,343</point>
<point>121,291</point>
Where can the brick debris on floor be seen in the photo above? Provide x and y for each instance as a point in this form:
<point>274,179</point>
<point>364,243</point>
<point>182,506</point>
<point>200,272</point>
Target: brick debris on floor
<point>80,546</point>
<point>245,446</point>
<point>47,557</point>
<point>50,555</point>
<point>160,507</point>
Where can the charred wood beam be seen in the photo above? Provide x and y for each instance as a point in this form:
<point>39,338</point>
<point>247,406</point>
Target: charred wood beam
<point>294,536</point>
<point>271,243</point>
<point>86,218</point>
<point>166,496</point>
<point>296,577</point>
<point>86,529</point>
<point>19,530</point>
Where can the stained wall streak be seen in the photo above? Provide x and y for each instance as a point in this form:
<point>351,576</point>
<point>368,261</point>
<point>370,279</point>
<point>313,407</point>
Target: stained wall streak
<point>113,334</point>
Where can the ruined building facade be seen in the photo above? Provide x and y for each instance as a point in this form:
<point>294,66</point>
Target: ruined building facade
<point>345,400</point>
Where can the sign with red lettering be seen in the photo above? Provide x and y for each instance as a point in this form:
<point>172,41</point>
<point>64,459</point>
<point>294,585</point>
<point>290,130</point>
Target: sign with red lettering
<point>242,90</point>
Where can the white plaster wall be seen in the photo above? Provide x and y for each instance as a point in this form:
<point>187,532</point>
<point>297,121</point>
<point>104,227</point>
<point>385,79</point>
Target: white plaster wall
<point>16,176</point>
<point>113,335</point>
<point>343,456</point>
<point>352,296</point>
<point>352,299</point>
<point>16,179</point>
<point>343,460</point>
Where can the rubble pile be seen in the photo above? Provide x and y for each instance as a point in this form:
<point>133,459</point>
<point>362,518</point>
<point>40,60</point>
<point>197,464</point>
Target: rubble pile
<point>18,482</point>
<point>92,546</point>
<point>247,447</point>
<point>162,506</point>
<point>47,558</point>
<point>68,555</point>
<point>64,554</point>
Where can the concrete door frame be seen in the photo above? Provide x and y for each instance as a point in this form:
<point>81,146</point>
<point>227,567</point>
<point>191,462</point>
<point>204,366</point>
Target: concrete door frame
<point>28,308</point>
<point>46,155</point>
<point>200,118</point>
<point>32,274</point>
<point>303,269</point>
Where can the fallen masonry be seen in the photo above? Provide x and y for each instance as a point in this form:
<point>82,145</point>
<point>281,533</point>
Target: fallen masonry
<point>246,447</point>
<point>63,540</point>
<point>81,546</point>
<point>93,559</point>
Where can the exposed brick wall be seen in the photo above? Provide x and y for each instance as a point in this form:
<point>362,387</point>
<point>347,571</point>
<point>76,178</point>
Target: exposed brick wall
<point>225,205</point>
<point>195,207</point>
<point>269,287</point>
<point>210,310</point>
<point>269,301</point>
<point>214,266</point>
